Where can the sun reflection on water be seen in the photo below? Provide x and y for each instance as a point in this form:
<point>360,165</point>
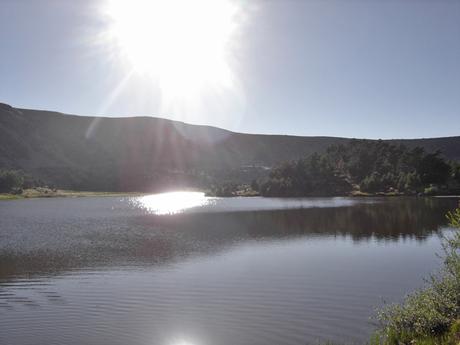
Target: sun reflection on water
<point>172,202</point>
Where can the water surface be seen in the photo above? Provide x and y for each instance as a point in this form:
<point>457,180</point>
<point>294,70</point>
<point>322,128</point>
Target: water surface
<point>185,269</point>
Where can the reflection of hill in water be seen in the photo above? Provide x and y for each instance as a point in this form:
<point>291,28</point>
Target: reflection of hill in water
<point>391,219</point>
<point>149,239</point>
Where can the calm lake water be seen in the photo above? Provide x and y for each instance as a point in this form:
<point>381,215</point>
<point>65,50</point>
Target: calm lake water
<point>183,269</point>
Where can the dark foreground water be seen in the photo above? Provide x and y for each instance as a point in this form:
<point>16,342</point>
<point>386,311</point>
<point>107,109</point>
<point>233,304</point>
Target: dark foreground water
<point>182,269</point>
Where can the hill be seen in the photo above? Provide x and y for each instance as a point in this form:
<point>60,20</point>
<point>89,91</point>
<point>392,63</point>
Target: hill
<point>148,153</point>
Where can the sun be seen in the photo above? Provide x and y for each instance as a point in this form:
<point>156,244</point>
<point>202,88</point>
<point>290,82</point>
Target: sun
<point>182,44</point>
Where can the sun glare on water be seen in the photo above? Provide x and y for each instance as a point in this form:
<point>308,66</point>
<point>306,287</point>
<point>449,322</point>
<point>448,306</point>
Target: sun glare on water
<point>173,202</point>
<point>180,43</point>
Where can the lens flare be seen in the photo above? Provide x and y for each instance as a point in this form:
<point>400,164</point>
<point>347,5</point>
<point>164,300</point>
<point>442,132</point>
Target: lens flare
<point>183,44</point>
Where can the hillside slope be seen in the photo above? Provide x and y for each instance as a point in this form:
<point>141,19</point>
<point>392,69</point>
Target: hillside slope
<point>146,153</point>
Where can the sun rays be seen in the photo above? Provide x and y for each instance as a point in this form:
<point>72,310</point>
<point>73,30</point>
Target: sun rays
<point>183,45</point>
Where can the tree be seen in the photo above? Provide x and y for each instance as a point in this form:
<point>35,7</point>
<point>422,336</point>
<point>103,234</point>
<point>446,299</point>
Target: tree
<point>433,169</point>
<point>413,182</point>
<point>375,166</point>
<point>456,172</point>
<point>372,183</point>
<point>10,180</point>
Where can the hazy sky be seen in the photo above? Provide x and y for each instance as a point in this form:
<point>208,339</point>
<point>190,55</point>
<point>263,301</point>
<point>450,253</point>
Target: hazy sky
<point>373,69</point>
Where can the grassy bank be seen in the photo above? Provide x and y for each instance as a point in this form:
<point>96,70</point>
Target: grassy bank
<point>59,193</point>
<point>430,315</point>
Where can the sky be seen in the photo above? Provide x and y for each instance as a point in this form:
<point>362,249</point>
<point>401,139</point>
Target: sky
<point>355,68</point>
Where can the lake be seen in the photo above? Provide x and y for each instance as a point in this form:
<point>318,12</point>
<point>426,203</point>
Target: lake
<point>184,269</point>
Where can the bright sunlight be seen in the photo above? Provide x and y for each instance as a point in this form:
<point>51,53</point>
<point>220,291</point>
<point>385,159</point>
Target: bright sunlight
<point>181,44</point>
<point>172,202</point>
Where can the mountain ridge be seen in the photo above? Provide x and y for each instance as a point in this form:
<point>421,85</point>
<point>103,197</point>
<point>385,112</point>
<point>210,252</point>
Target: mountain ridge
<point>219,128</point>
<point>146,153</point>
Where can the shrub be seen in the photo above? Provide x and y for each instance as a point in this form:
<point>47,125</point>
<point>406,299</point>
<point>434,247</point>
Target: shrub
<point>431,190</point>
<point>434,311</point>
<point>372,183</point>
<point>10,181</point>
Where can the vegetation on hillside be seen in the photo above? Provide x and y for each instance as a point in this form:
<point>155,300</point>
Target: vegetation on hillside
<point>11,181</point>
<point>360,166</point>
<point>146,154</point>
<point>16,182</point>
<point>431,315</point>
<point>364,166</point>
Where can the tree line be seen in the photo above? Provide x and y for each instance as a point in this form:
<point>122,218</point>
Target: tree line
<point>14,181</point>
<point>364,166</point>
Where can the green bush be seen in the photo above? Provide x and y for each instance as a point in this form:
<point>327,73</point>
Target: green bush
<point>371,183</point>
<point>11,181</point>
<point>431,190</point>
<point>430,315</point>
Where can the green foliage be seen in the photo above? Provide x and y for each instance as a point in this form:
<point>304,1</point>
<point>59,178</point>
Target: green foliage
<point>412,182</point>
<point>433,169</point>
<point>255,185</point>
<point>311,176</point>
<point>371,166</point>
<point>376,182</point>
<point>455,171</point>
<point>431,190</point>
<point>431,315</point>
<point>454,218</point>
<point>11,181</point>
<point>225,190</point>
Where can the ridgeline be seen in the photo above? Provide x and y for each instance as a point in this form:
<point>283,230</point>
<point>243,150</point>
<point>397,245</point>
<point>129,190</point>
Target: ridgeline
<point>146,154</point>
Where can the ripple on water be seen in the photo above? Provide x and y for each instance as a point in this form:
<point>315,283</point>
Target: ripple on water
<point>105,271</point>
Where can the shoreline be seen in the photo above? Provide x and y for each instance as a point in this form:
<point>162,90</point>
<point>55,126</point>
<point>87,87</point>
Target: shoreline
<point>62,193</point>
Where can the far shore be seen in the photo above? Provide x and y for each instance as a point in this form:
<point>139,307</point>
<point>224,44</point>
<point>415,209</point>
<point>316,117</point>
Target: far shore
<point>62,193</point>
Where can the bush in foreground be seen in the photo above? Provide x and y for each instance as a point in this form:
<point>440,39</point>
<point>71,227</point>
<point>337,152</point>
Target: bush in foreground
<point>431,315</point>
